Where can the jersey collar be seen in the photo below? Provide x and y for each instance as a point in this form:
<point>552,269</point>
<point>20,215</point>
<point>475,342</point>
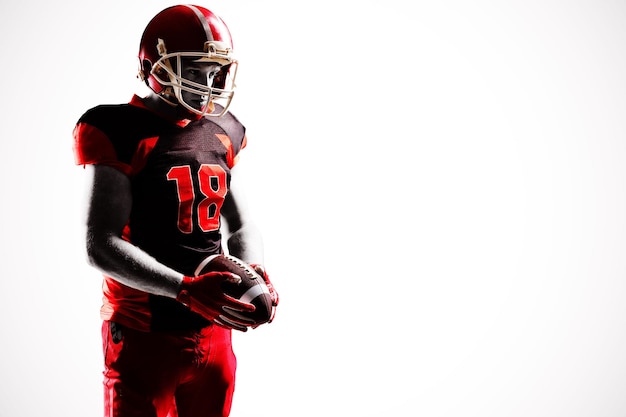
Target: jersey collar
<point>138,102</point>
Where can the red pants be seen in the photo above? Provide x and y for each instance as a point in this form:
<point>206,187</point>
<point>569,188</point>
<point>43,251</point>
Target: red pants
<point>175,374</point>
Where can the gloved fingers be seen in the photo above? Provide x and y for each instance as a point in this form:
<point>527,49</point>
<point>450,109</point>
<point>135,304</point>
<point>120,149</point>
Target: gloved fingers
<point>237,305</point>
<point>228,324</point>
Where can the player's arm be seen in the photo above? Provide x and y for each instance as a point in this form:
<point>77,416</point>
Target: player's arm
<point>109,204</point>
<point>243,237</point>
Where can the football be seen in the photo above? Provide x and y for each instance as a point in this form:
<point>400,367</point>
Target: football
<point>252,288</point>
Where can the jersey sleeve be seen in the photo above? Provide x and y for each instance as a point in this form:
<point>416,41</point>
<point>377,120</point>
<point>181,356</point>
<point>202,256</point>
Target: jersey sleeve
<point>234,139</point>
<point>92,146</point>
<point>243,143</point>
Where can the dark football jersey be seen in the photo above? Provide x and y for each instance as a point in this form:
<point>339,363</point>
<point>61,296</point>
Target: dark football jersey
<point>180,173</point>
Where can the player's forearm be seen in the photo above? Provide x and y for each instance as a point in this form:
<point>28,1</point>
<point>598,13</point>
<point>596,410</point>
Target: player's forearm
<point>246,243</point>
<point>131,266</point>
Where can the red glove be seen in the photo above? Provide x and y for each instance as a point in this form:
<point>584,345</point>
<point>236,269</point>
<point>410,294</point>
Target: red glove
<point>204,295</point>
<point>273,293</point>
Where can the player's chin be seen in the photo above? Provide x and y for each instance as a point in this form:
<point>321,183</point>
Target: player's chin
<point>199,105</point>
<point>195,101</point>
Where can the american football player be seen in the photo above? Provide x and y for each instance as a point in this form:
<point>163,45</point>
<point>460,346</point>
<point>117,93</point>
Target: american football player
<point>162,176</point>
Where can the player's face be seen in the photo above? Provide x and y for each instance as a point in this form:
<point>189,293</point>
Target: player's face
<point>201,73</point>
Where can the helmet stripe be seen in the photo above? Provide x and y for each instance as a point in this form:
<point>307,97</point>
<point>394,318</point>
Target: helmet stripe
<point>205,23</point>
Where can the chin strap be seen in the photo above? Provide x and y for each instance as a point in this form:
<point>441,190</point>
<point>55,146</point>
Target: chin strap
<point>167,96</point>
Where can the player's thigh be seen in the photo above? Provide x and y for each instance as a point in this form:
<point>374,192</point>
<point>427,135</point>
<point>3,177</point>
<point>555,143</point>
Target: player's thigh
<point>140,372</point>
<point>209,392</point>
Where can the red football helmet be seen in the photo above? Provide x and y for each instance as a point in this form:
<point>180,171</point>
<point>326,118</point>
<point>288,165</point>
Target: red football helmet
<point>191,32</point>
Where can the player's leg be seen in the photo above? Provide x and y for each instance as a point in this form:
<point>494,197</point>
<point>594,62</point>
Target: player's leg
<point>208,391</point>
<point>140,372</point>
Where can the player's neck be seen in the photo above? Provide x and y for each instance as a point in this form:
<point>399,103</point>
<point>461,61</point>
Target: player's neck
<point>160,106</point>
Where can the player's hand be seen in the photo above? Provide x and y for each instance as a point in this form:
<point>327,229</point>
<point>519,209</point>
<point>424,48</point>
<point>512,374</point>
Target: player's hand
<point>204,295</point>
<point>273,293</point>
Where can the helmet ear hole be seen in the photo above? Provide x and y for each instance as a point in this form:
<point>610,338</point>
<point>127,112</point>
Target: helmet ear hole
<point>144,71</point>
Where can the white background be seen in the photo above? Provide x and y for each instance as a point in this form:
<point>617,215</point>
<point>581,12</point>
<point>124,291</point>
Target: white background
<point>440,185</point>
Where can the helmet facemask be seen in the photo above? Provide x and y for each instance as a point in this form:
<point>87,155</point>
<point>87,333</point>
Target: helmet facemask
<point>219,88</point>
